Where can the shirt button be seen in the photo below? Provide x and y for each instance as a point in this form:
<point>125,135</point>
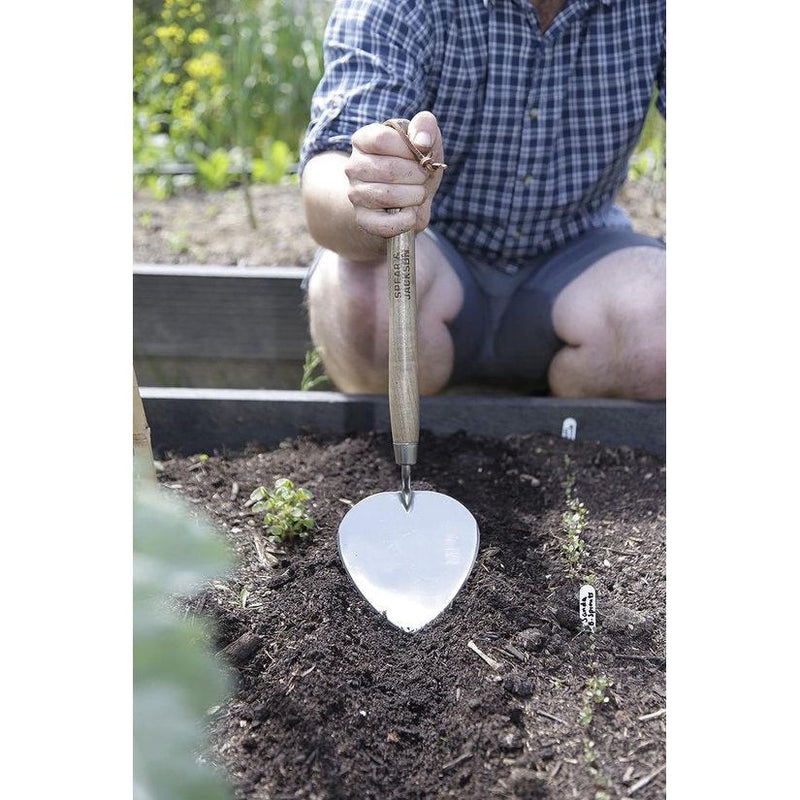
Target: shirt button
<point>516,233</point>
<point>527,180</point>
<point>533,113</point>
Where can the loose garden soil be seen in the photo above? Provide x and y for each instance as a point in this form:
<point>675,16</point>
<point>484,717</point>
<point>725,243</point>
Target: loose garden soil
<point>332,702</point>
<point>196,227</point>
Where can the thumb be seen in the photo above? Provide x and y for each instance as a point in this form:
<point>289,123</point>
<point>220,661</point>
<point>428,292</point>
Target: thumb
<point>423,130</point>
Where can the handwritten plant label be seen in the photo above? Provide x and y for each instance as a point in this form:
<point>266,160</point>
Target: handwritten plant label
<point>587,604</point>
<point>569,428</point>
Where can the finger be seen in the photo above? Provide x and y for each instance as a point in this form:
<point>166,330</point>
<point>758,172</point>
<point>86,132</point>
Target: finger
<point>381,140</point>
<point>386,195</point>
<point>380,223</point>
<point>423,130</point>
<point>370,168</point>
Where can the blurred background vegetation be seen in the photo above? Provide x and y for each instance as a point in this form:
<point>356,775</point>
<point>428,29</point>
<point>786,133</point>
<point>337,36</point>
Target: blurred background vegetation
<point>225,87</point>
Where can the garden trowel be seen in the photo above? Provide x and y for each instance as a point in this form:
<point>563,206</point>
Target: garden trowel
<point>408,552</point>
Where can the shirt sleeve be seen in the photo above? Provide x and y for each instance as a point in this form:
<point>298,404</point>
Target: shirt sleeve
<point>375,52</point>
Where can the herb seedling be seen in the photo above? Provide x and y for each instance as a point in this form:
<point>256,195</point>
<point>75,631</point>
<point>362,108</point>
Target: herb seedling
<point>285,514</point>
<point>594,694</point>
<point>312,362</point>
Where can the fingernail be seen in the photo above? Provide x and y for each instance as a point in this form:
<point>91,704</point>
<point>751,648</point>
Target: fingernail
<point>423,140</point>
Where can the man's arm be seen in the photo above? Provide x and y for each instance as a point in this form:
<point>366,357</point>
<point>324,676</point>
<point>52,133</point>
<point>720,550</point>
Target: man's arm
<point>345,197</point>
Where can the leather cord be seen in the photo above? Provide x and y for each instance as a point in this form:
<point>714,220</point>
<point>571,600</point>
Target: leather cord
<point>425,161</point>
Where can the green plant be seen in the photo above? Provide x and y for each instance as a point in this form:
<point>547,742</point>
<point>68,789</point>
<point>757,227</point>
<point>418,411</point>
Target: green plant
<point>649,158</point>
<point>284,507</point>
<point>214,77</point>
<point>175,677</point>
<point>313,361</point>
<point>593,695</point>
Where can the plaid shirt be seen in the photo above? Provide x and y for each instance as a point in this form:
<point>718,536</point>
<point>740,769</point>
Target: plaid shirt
<point>537,127</point>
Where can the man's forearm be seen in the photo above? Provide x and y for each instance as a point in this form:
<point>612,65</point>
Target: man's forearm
<point>329,213</point>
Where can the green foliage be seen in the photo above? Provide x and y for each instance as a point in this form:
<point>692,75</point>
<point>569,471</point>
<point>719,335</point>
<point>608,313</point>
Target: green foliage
<point>175,678</point>
<point>593,695</point>
<point>574,521</point>
<point>214,79</point>
<point>650,156</point>
<point>313,361</point>
<point>284,507</point>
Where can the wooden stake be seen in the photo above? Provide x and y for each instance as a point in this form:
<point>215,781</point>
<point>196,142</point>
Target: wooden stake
<point>141,438</point>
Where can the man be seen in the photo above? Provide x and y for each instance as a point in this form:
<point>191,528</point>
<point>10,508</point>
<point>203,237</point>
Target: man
<point>526,270</point>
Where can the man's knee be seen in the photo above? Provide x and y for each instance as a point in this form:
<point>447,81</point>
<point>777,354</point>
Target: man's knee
<point>347,308</point>
<point>615,318</point>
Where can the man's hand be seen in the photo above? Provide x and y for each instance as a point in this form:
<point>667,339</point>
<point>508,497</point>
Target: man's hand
<point>383,173</point>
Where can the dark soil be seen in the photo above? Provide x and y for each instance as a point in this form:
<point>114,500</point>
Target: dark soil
<point>212,228</point>
<point>332,702</point>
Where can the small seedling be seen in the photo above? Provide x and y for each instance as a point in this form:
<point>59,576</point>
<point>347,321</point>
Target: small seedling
<point>574,521</point>
<point>593,695</point>
<point>312,362</point>
<point>284,507</point>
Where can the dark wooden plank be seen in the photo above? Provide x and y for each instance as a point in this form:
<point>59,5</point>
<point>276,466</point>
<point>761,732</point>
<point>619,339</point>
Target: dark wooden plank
<point>205,420</point>
<point>219,312</point>
<point>219,373</point>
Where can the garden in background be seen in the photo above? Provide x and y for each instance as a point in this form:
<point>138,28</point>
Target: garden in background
<point>222,92</point>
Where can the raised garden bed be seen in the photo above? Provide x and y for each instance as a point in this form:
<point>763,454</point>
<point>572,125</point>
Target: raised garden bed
<point>505,695</point>
<point>219,351</point>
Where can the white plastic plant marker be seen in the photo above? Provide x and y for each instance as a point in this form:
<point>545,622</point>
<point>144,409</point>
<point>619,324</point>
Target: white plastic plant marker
<point>587,604</point>
<point>569,428</point>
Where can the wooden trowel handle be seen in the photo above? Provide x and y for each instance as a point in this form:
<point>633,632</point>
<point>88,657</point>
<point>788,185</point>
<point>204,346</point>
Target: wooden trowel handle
<point>403,363</point>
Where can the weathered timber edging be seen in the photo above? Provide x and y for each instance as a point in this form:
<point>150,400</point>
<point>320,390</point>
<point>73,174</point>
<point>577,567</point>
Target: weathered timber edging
<point>197,325</point>
<point>188,420</point>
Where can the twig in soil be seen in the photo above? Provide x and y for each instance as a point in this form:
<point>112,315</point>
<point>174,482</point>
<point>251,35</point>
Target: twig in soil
<point>455,762</point>
<point>495,665</point>
<point>512,651</point>
<point>234,490</point>
<point>647,778</point>
<point>659,661</point>
<point>653,715</point>
<point>556,770</point>
<point>551,716</point>
<point>242,649</point>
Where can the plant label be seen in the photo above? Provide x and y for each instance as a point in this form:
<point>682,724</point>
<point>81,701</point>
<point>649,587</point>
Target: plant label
<point>587,607</point>
<point>569,428</point>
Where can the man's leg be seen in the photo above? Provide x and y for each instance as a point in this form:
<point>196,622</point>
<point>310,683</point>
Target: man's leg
<point>348,308</point>
<point>613,320</point>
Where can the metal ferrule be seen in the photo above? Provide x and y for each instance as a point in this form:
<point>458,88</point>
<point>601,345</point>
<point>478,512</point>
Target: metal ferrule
<point>405,453</point>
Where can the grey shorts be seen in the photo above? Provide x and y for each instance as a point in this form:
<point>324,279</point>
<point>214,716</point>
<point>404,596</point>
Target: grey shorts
<point>504,333</point>
<point>504,330</point>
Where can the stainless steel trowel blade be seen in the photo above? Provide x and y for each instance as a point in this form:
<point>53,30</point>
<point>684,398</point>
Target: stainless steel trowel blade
<point>409,564</point>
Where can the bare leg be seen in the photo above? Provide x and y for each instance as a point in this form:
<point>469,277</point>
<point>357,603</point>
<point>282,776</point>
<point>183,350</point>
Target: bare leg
<point>348,308</point>
<point>613,319</point>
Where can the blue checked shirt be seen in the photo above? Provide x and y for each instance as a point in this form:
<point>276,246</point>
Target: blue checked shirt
<point>537,127</point>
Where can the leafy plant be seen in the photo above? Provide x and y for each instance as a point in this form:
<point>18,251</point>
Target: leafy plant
<point>649,159</point>
<point>593,695</point>
<point>216,77</point>
<point>313,361</point>
<point>175,677</point>
<point>284,507</point>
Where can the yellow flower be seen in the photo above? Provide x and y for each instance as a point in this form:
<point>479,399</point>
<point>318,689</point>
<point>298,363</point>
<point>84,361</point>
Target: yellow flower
<point>208,65</point>
<point>198,36</point>
<point>166,32</point>
<point>196,8</point>
<point>170,78</point>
